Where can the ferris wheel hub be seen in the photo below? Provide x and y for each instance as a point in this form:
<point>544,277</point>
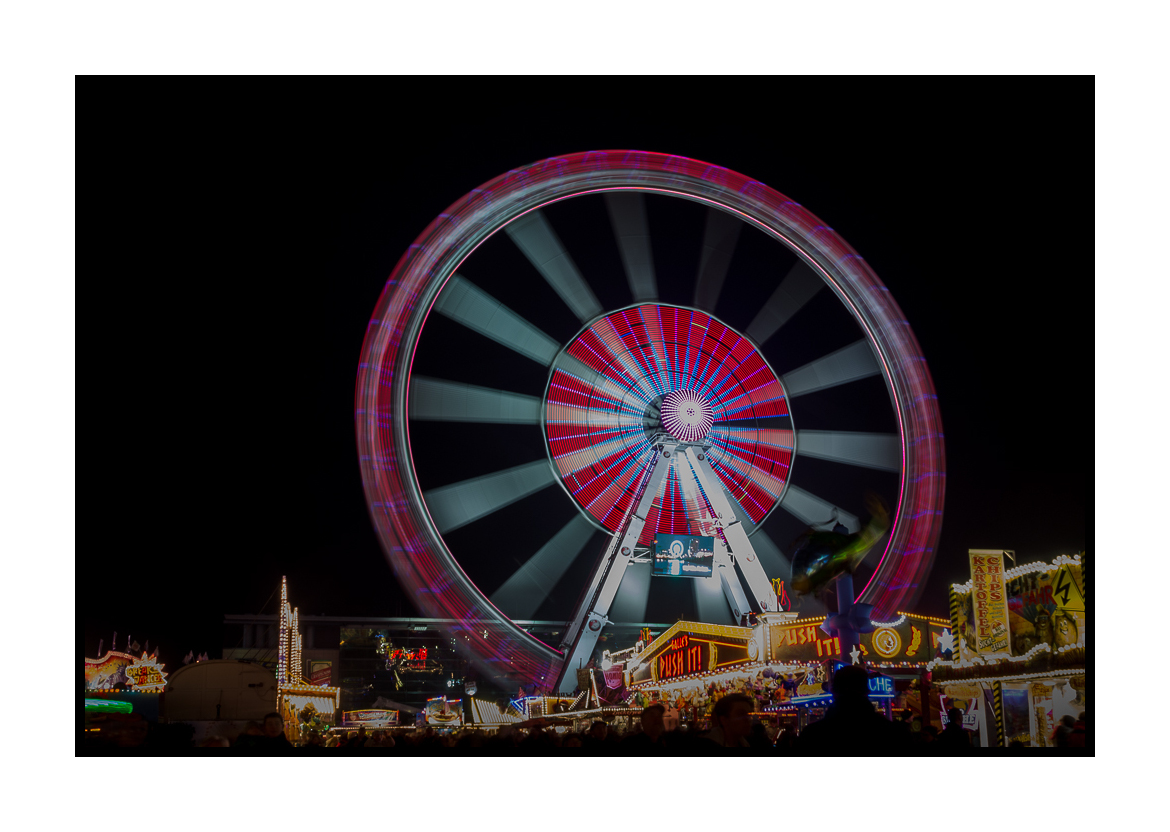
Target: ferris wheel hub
<point>687,415</point>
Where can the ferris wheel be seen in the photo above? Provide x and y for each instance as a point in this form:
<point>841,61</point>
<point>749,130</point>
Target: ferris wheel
<point>598,355</point>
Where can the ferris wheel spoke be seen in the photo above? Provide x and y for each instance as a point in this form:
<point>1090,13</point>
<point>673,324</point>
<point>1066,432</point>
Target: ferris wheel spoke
<point>436,400</point>
<point>627,215</point>
<point>774,561</point>
<point>536,239</point>
<point>637,386</point>
<point>795,290</point>
<point>633,595</point>
<point>719,238</point>
<point>526,589</point>
<point>710,602</point>
<point>813,511</point>
<point>471,306</point>
<point>456,505</point>
<point>847,364</point>
<point>882,451</point>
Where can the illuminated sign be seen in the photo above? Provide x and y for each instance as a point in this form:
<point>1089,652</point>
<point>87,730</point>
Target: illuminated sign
<point>683,556</point>
<point>371,717</point>
<point>886,642</point>
<point>908,638</point>
<point>114,669</point>
<point>989,601</point>
<point>108,671</point>
<point>881,687</point>
<point>689,648</point>
<point>146,674</point>
<point>408,659</point>
<point>682,658</point>
<point>320,673</point>
<point>439,711</point>
<point>782,600</point>
<point>803,642</point>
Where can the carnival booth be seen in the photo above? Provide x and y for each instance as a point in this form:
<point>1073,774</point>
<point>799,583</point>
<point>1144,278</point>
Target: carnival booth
<point>127,683</point>
<point>784,662</point>
<point>488,715</point>
<point>1020,663</point>
<point>442,712</point>
<point>304,706</point>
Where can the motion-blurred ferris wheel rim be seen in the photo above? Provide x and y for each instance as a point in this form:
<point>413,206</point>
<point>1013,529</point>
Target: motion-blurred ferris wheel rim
<point>414,546</point>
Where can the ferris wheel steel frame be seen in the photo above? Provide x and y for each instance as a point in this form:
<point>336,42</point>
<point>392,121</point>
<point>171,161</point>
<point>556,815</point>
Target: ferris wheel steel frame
<point>415,548</point>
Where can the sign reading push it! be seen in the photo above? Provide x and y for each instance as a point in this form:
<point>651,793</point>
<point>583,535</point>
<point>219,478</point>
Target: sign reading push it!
<point>989,601</point>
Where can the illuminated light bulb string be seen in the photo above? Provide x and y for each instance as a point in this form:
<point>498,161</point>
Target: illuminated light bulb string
<point>1027,569</point>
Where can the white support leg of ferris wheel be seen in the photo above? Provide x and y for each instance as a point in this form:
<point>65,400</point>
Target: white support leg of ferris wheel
<point>582,634</point>
<point>732,589</point>
<point>758,584</point>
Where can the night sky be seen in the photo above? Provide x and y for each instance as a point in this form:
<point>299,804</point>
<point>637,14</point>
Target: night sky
<point>266,231</point>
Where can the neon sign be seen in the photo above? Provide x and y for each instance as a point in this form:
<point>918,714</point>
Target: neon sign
<point>146,674</point>
<point>807,634</point>
<point>881,687</point>
<point>411,657</point>
<point>682,658</point>
<point>782,600</point>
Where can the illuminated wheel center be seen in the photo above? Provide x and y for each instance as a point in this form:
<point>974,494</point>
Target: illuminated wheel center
<point>645,370</point>
<point>687,415</point>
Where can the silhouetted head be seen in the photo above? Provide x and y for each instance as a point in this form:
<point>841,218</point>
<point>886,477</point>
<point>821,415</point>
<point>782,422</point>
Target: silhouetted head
<point>652,722</point>
<point>850,684</point>
<point>733,713</point>
<point>954,717</point>
<point>273,725</point>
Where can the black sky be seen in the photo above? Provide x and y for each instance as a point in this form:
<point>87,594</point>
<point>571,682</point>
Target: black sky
<point>236,245</point>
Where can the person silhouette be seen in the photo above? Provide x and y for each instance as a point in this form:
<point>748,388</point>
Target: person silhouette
<point>851,726</point>
<point>953,739</point>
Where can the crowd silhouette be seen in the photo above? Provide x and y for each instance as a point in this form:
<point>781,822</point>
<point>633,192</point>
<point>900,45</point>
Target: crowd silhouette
<point>850,727</point>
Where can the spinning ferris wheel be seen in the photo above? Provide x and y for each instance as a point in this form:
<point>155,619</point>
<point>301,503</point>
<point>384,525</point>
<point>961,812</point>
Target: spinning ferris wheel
<point>593,353</point>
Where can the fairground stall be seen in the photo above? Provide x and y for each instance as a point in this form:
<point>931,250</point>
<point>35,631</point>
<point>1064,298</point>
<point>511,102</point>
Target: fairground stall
<point>489,716</point>
<point>595,701</point>
<point>442,712</point>
<point>784,662</point>
<point>378,718</point>
<point>1021,648</point>
<point>304,706</point>
<point>121,694</point>
<point>372,719</point>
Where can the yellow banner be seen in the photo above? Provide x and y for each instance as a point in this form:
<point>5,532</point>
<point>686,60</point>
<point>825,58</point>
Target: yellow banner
<point>989,601</point>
